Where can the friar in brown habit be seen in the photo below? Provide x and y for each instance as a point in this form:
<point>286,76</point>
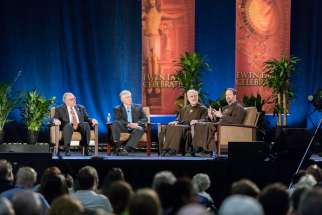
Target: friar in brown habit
<point>176,136</point>
<point>204,132</point>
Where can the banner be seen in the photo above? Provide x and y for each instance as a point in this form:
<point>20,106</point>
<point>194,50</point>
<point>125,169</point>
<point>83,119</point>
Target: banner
<point>167,32</point>
<point>262,33</point>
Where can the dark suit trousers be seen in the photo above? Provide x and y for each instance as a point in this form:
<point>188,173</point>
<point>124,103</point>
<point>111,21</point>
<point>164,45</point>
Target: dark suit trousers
<point>135,134</point>
<point>83,128</point>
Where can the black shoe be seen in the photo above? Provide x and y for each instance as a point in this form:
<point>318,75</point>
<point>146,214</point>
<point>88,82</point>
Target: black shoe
<point>123,152</point>
<point>164,152</point>
<point>130,149</point>
<point>67,152</point>
<point>171,152</point>
<point>87,152</point>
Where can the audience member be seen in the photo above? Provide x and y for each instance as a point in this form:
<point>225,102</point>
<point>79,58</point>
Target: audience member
<point>6,176</point>
<point>184,193</point>
<point>311,202</point>
<point>119,195</point>
<point>53,187</point>
<point>115,174</point>
<point>27,203</point>
<point>245,187</point>
<point>145,201</point>
<point>66,205</point>
<point>202,182</point>
<point>6,207</point>
<point>240,205</point>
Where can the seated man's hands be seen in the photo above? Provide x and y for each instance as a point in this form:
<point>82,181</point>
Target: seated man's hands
<point>218,113</point>
<point>133,125</point>
<point>194,121</point>
<point>56,122</point>
<point>173,123</point>
<point>210,113</point>
<point>94,122</point>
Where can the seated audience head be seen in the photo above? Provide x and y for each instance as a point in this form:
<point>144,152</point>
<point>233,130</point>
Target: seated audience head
<point>54,187</point>
<point>126,97</point>
<point>50,171</point>
<point>201,182</point>
<point>311,202</point>
<point>240,205</point>
<point>245,187</point>
<point>295,199</point>
<point>307,181</point>
<point>66,205</point>
<point>163,177</point>
<point>87,178</point>
<point>120,195</point>
<point>231,95</point>
<point>274,199</point>
<point>27,203</point>
<point>316,171</point>
<point>193,97</point>
<point>145,201</point>
<point>6,171</point>
<point>69,99</point>
<point>193,209</point>
<point>184,192</point>
<point>115,174</point>
<point>6,207</point>
<point>26,177</point>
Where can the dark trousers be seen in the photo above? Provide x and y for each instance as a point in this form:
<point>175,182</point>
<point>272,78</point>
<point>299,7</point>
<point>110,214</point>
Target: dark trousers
<point>83,128</point>
<point>135,134</point>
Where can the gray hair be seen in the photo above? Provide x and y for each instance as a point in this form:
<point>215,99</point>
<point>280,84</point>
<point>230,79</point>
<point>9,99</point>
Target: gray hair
<point>163,177</point>
<point>27,203</point>
<point>26,177</point>
<point>201,182</point>
<point>240,205</point>
<point>66,94</point>
<point>125,92</point>
<point>307,181</point>
<point>193,209</point>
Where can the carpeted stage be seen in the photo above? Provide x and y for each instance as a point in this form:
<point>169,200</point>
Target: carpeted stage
<point>139,169</point>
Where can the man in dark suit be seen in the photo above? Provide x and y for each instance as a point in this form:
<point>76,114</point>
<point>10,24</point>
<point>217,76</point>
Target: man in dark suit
<point>73,117</point>
<point>129,118</point>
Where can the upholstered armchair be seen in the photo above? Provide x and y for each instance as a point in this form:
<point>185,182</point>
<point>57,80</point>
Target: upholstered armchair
<point>56,136</point>
<point>237,132</point>
<point>145,141</point>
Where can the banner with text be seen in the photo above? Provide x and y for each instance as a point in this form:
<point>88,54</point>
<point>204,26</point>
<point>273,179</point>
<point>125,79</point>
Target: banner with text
<point>167,32</point>
<point>262,33</point>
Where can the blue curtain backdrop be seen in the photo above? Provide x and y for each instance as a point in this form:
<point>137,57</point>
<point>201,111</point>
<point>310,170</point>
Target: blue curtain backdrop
<point>93,48</point>
<point>89,47</point>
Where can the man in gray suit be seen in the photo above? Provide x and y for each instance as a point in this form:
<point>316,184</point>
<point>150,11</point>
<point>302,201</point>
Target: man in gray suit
<point>129,118</point>
<point>73,117</point>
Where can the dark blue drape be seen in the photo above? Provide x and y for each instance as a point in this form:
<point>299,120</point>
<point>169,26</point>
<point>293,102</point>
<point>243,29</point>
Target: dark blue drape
<point>89,47</point>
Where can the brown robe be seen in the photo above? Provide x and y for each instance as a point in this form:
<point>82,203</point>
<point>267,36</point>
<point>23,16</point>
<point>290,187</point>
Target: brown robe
<point>204,132</point>
<point>178,137</point>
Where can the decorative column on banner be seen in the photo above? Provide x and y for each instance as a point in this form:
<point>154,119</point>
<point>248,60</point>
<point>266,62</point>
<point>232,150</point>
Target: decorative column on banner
<point>167,32</point>
<point>262,33</point>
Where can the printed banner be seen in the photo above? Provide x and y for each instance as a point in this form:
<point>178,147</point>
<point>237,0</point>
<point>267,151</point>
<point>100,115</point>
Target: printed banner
<point>167,32</point>
<point>262,33</point>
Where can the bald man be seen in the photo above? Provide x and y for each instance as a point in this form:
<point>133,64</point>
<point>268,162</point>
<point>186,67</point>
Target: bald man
<point>71,117</point>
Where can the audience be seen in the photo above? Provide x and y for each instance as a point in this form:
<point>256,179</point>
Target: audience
<point>274,199</point>
<point>27,203</point>
<point>295,200</point>
<point>240,205</point>
<point>53,187</point>
<point>86,193</point>
<point>115,174</point>
<point>145,201</point>
<point>6,207</point>
<point>66,205</point>
<point>311,202</point>
<point>201,183</point>
<point>245,187</point>
<point>120,194</point>
<point>6,176</point>
<point>184,193</point>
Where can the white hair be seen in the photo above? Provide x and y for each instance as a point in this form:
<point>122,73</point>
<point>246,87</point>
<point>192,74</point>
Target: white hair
<point>307,181</point>
<point>26,177</point>
<point>192,91</point>
<point>193,209</point>
<point>125,92</point>
<point>240,205</point>
<point>201,182</point>
<point>163,177</point>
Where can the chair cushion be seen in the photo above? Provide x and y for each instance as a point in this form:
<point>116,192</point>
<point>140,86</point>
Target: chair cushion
<point>251,116</point>
<point>77,136</point>
<point>125,136</point>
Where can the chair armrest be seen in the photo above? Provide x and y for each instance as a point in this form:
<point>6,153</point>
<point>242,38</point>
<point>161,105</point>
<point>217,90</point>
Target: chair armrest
<point>236,125</point>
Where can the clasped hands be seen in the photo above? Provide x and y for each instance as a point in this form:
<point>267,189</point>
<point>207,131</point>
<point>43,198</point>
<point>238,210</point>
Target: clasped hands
<point>58,122</point>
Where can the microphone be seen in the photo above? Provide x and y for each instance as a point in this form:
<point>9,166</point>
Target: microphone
<point>310,98</point>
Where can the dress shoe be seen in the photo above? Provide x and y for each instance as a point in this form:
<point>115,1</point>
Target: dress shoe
<point>87,152</point>
<point>130,149</point>
<point>123,152</point>
<point>171,152</point>
<point>164,152</point>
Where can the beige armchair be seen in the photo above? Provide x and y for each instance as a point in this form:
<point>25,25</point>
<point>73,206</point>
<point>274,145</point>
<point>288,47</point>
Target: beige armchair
<point>237,133</point>
<point>145,141</point>
<point>56,136</point>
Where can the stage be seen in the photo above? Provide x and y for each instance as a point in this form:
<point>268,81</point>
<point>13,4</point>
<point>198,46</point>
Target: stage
<point>140,169</point>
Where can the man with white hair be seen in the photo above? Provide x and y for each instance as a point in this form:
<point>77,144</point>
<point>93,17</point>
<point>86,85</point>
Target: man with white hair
<point>176,136</point>
<point>71,117</point>
<point>240,205</point>
<point>130,118</point>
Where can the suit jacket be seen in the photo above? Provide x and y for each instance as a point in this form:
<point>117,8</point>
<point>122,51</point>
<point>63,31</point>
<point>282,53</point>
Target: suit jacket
<point>138,115</point>
<point>61,113</point>
<point>233,114</point>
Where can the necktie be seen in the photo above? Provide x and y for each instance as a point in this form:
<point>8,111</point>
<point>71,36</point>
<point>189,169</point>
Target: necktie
<point>74,118</point>
<point>129,115</point>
